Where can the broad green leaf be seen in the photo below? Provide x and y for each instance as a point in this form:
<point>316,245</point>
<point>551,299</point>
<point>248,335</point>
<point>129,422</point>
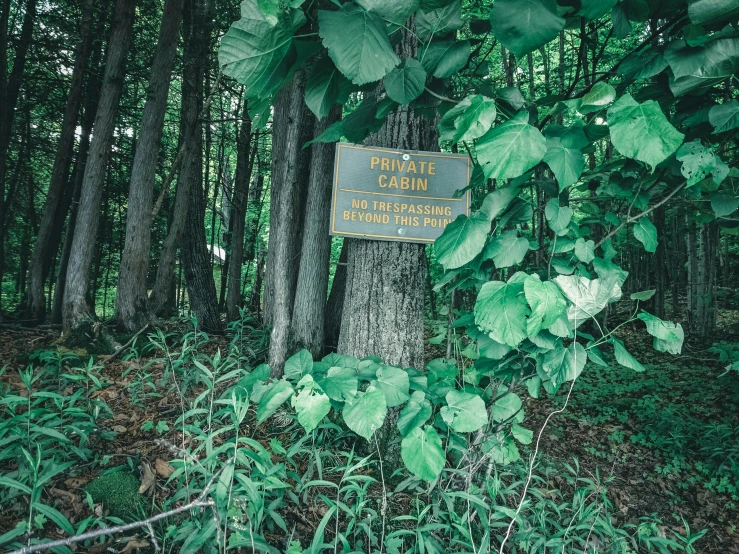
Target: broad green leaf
<point>607,270</point>
<point>522,435</point>
<point>492,349</point>
<point>587,297</point>
<point>697,68</point>
<point>643,295</point>
<point>546,302</point>
<point>594,9</point>
<point>497,201</point>
<point>333,133</point>
<point>506,407</point>
<point>312,407</point>
<point>598,97</point>
<point>273,399</point>
<point>500,311</point>
<point>623,357</point>
<point>357,42</point>
<point>642,65</point>
<point>585,250</point>
<point>564,364</point>
<point>298,364</point>
<point>423,454</point>
<point>511,149</point>
<point>723,204</point>
<point>325,87</point>
<point>465,412</point>
<point>697,161</point>
<point>710,11</point>
<point>340,383</point>
<point>443,58</point>
<point>724,117</point>
<point>254,48</point>
<point>393,12</point>
<point>507,249</point>
<point>558,216</point>
<point>468,120</point>
<point>405,83</point>
<point>502,453</point>
<point>646,233</point>
<point>394,383</point>
<point>668,336</point>
<point>641,131</point>
<point>366,413</point>
<point>462,240</point>
<point>566,163</point>
<point>414,414</point>
<point>522,26</point>
<point>439,22</point>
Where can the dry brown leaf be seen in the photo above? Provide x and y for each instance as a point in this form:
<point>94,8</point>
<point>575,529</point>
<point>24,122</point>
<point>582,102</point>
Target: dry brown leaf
<point>163,468</point>
<point>98,548</point>
<point>134,545</point>
<point>119,429</point>
<point>148,479</point>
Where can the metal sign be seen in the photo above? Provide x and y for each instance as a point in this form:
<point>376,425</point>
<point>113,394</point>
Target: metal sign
<point>387,194</point>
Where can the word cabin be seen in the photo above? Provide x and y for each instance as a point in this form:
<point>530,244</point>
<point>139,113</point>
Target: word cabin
<point>412,168</point>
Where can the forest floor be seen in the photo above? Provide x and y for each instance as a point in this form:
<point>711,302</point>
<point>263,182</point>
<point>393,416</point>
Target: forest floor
<point>667,438</point>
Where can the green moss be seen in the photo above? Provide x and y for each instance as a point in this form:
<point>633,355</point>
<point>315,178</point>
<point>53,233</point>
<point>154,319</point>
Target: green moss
<point>119,494</point>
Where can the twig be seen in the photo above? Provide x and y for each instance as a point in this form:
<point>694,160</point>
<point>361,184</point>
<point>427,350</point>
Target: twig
<point>197,503</point>
<point>640,215</point>
<point>125,346</point>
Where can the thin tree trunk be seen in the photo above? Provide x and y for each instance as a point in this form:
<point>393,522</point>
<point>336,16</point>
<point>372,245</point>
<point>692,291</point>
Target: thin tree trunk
<point>76,311</point>
<point>307,330</point>
<point>335,302</point>
<point>131,294</point>
<point>238,215</point>
<point>55,209</point>
<point>192,78</point>
<point>9,90</point>
<point>289,176</point>
<point>201,288</point>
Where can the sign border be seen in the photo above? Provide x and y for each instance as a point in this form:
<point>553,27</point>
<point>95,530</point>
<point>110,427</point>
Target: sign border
<point>335,189</point>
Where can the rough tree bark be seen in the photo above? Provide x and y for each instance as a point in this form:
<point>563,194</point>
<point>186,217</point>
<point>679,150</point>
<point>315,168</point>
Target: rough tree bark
<point>238,216</point>
<point>307,330</point>
<point>201,287</point>
<point>384,299</point>
<point>76,311</point>
<point>289,179</point>
<point>192,74</point>
<point>131,295</point>
<point>92,96</point>
<point>54,208</point>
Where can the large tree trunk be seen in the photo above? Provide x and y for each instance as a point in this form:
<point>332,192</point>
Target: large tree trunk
<point>289,179</point>
<point>201,288</point>
<point>384,299</point>
<point>307,330</point>
<point>238,215</point>
<point>131,294</point>
<point>76,310</point>
<point>55,206</point>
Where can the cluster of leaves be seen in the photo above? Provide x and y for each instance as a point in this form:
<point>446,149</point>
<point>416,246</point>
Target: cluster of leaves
<point>260,486</point>
<point>49,424</point>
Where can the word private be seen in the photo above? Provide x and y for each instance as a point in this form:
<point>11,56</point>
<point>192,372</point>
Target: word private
<point>403,195</point>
